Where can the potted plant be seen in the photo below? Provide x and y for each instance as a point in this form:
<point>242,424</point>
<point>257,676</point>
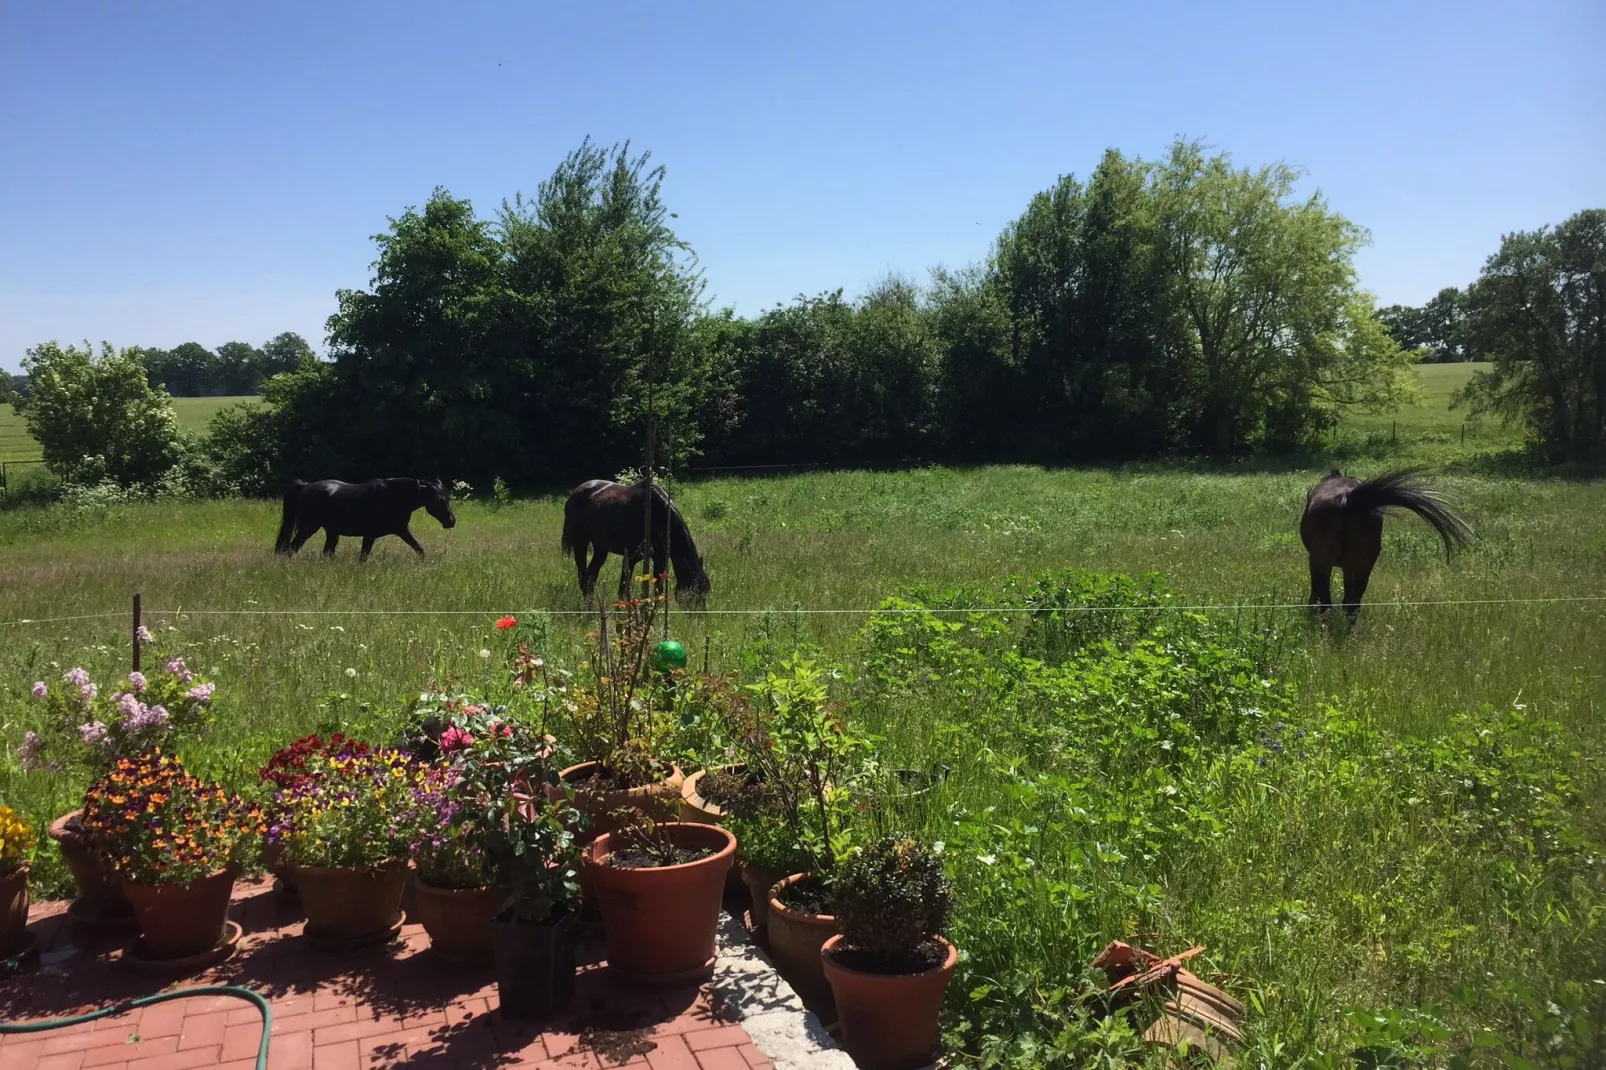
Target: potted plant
<point>87,730</point>
<point>286,768</point>
<point>16,848</point>
<point>889,966</point>
<point>659,886</point>
<point>177,843</point>
<point>617,727</point>
<point>538,860</point>
<point>347,829</point>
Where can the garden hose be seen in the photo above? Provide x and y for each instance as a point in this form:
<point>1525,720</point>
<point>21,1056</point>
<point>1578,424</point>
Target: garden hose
<point>160,997</point>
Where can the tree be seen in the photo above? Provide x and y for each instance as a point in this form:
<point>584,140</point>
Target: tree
<point>1437,330</point>
<point>98,417</point>
<point>283,353</point>
<point>1266,287</point>
<point>1539,309</point>
<point>235,370</point>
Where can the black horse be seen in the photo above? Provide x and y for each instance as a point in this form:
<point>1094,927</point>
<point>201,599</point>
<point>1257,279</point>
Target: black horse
<point>609,517</point>
<point>1342,527</point>
<point>371,510</point>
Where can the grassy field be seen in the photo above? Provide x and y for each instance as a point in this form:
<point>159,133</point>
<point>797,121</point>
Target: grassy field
<point>17,445</point>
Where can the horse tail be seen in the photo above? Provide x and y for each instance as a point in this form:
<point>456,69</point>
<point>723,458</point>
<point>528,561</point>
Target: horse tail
<point>1402,490</point>
<point>287,525</point>
<point>574,534</point>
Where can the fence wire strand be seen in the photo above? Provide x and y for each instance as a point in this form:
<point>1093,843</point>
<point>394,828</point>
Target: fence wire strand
<point>805,611</point>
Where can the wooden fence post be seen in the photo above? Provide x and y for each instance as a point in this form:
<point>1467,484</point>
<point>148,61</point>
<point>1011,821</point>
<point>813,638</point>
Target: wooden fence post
<point>135,632</point>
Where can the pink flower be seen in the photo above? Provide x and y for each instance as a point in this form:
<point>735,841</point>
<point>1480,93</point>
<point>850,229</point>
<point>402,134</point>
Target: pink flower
<point>28,751</point>
<point>455,739</point>
<point>128,705</point>
<point>201,693</point>
<point>76,677</point>
<point>473,711</point>
<point>39,689</point>
<point>93,732</point>
<point>88,692</point>
<point>175,666</point>
<point>137,679</point>
<point>143,634</point>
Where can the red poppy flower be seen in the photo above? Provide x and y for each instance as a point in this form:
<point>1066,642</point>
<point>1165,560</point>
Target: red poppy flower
<point>505,623</point>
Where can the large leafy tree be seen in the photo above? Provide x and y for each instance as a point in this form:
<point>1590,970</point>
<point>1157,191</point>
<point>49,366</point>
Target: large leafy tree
<point>97,417</point>
<point>1265,284</point>
<point>1539,309</point>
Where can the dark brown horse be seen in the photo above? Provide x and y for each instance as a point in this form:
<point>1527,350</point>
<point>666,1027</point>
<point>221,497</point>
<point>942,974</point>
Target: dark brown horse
<point>370,510</point>
<point>1342,527</point>
<point>609,518</point>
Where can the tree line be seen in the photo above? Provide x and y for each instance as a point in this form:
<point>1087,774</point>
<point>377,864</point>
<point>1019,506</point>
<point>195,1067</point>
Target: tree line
<point>1154,307</point>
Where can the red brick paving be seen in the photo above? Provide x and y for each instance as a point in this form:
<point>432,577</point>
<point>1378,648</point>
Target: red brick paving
<point>398,1006</point>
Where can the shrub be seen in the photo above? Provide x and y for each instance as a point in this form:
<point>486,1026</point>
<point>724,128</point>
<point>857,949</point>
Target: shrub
<point>890,900</point>
<point>86,729</point>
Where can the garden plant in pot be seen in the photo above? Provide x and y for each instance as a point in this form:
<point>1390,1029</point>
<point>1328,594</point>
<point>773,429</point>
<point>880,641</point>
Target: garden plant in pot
<point>16,849</point>
<point>347,829</point>
<point>889,967</point>
<point>284,770</point>
<point>619,725</point>
<point>795,822</point>
<point>84,731</point>
<point>177,844</point>
<point>658,886</point>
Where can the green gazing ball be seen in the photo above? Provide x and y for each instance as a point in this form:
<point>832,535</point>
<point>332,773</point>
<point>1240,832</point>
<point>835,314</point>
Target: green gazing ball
<point>668,656</point>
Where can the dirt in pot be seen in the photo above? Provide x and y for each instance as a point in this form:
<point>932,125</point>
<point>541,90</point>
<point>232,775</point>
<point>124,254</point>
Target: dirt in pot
<point>606,779</point>
<point>807,897</point>
<point>724,788</point>
<point>927,956</point>
<point>654,856</point>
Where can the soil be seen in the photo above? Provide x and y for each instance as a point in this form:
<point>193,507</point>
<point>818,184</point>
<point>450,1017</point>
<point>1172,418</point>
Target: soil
<point>928,956</point>
<point>722,789</point>
<point>641,858</point>
<point>608,780</point>
<point>807,897</point>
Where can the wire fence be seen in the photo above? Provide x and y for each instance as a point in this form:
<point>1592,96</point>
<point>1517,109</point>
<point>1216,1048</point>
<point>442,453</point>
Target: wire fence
<point>1164,607</point>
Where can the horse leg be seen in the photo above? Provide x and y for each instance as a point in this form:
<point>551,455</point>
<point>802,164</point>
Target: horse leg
<point>302,535</point>
<point>1321,588</point>
<point>588,581</point>
<point>580,571</point>
<point>1355,581</point>
<point>1365,544</point>
<point>407,537</point>
<point>625,572</point>
<point>329,541</point>
<point>660,566</point>
<point>367,547</point>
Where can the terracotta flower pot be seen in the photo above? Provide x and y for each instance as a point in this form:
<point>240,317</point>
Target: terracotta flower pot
<point>179,920</point>
<point>660,921</point>
<point>693,807</point>
<point>350,904</point>
<point>660,801</point>
<point>13,910</point>
<point>458,920</point>
<point>275,862</point>
<point>100,891</point>
<point>889,1021</point>
<point>535,966</point>
<point>759,881</point>
<point>795,941</point>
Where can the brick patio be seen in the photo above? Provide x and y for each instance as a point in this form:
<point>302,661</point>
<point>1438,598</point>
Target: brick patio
<point>397,1006</point>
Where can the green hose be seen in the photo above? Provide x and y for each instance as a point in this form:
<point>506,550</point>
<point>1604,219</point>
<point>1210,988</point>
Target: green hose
<point>160,997</point>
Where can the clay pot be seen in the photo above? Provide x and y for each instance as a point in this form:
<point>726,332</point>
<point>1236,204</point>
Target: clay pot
<point>660,921</point>
<point>13,910</point>
<point>759,881</point>
<point>693,807</point>
<point>458,920</point>
<point>180,920</point>
<point>100,891</point>
<point>888,1021</point>
<point>350,904</point>
<point>535,966</point>
<point>660,801</point>
<point>276,863</point>
<point>795,941</point>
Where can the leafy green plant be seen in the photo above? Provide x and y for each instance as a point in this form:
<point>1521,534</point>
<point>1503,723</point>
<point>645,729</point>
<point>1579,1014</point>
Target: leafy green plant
<point>890,899</point>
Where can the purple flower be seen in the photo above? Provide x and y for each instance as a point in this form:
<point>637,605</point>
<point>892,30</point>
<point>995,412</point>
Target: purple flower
<point>76,677</point>
<point>143,634</point>
<point>201,693</point>
<point>146,717</point>
<point>29,750</point>
<point>39,689</point>
<point>175,666</point>
<point>128,705</point>
<point>88,692</point>
<point>137,680</point>
<point>93,732</point>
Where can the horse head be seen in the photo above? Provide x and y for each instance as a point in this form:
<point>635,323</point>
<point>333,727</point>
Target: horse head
<point>436,501</point>
<point>694,590</point>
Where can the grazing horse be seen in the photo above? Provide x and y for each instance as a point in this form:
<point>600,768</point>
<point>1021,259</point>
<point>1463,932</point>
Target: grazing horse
<point>371,510</point>
<point>609,517</point>
<point>1342,527</point>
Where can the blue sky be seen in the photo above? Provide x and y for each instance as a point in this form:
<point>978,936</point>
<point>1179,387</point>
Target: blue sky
<point>212,171</point>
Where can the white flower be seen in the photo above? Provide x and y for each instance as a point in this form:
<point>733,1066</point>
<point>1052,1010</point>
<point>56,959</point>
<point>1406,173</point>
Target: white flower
<point>351,674</point>
<point>484,653</point>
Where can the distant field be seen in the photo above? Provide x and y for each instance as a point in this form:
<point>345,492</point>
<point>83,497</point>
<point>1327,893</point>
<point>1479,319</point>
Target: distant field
<point>1433,420</point>
<point>17,445</point>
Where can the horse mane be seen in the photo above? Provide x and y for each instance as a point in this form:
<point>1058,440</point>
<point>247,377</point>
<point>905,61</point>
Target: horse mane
<point>682,547</point>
